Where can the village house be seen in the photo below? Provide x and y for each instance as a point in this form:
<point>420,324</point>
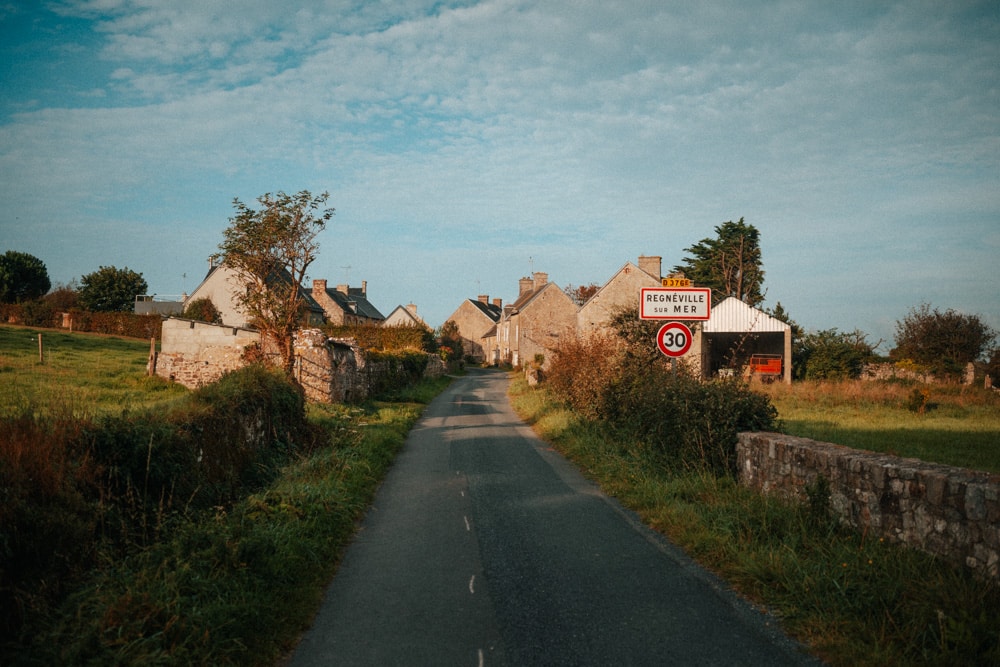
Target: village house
<point>532,326</point>
<point>620,291</point>
<point>474,318</point>
<point>222,285</point>
<point>405,316</point>
<point>346,305</point>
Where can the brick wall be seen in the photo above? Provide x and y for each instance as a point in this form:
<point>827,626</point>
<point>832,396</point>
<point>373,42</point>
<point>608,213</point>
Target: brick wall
<point>950,512</point>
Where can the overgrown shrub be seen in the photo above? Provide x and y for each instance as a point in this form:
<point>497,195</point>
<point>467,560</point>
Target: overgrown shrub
<point>671,417</point>
<point>202,310</point>
<point>831,355</point>
<point>372,337</point>
<point>389,372</point>
<point>71,490</point>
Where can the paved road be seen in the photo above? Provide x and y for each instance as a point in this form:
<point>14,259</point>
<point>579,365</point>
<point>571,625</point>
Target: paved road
<point>485,547</point>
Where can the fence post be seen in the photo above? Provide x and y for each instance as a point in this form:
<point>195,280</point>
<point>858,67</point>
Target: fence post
<point>41,357</point>
<point>151,363</point>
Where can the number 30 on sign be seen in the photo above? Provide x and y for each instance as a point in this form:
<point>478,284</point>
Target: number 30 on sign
<point>674,339</point>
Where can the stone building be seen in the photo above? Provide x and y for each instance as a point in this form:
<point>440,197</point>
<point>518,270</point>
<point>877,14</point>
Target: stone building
<point>222,285</point>
<point>541,316</point>
<point>474,318</point>
<point>345,304</point>
<point>405,316</point>
<point>622,290</point>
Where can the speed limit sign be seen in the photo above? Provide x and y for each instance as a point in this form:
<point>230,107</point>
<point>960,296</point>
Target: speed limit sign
<point>674,339</point>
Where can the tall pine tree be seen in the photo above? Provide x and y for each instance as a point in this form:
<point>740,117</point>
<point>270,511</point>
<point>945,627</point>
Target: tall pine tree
<point>729,264</point>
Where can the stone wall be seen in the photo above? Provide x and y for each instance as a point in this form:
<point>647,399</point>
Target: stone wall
<point>329,370</point>
<point>950,512</point>
<point>197,353</point>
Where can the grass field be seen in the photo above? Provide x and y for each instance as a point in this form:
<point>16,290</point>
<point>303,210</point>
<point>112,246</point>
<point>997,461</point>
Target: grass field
<point>958,425</point>
<point>88,374</point>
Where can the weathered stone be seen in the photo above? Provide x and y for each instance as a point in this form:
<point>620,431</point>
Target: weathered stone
<point>951,512</point>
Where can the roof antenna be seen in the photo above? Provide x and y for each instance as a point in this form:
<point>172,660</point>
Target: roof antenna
<point>347,274</point>
<point>531,264</point>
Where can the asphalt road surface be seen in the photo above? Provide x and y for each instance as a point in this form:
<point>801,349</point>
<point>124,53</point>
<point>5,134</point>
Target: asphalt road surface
<point>485,547</point>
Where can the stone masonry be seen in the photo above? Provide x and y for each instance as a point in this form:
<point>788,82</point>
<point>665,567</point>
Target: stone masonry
<point>950,512</point>
<point>197,353</point>
<point>330,370</point>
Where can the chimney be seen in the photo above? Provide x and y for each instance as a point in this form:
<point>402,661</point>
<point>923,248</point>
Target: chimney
<point>651,265</point>
<point>319,287</point>
<point>412,308</point>
<point>524,285</point>
<point>343,289</point>
<point>484,298</point>
<point>498,302</point>
<point>540,279</point>
<point>364,288</point>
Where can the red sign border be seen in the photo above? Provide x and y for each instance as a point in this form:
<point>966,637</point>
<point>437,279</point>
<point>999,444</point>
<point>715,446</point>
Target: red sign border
<point>674,325</point>
<point>708,302</point>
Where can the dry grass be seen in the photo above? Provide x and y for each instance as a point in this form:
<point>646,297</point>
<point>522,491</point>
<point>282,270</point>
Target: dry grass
<point>950,424</point>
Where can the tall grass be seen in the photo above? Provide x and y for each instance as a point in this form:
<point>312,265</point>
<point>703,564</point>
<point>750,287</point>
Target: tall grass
<point>951,424</point>
<point>852,600</point>
<point>239,586</point>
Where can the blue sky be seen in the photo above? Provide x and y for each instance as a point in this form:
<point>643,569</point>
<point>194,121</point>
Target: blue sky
<point>466,144</point>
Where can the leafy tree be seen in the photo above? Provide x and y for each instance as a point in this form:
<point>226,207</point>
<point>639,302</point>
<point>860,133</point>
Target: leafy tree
<point>111,290</point>
<point>779,313</point>
<point>202,310</point>
<point>450,341</point>
<point>270,249</point>
<point>581,294</point>
<point>729,264</point>
<point>63,298</point>
<point>993,367</point>
<point>23,277</point>
<point>831,355</point>
<point>943,341</point>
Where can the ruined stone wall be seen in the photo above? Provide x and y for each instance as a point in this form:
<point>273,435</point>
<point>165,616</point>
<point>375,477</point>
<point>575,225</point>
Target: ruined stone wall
<point>197,353</point>
<point>330,370</point>
<point>950,512</point>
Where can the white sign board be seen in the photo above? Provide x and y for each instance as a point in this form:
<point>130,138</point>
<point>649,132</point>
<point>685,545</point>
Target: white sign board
<point>677,303</point>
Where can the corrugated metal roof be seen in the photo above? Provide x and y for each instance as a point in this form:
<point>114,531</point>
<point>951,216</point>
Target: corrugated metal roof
<point>733,316</point>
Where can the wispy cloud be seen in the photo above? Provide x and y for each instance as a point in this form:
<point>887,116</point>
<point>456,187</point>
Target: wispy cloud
<point>580,135</point>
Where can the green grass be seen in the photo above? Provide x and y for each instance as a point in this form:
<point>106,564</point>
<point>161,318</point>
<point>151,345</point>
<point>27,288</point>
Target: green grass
<point>852,600</point>
<point>88,374</point>
<point>960,426</point>
<point>232,586</point>
<point>239,587</point>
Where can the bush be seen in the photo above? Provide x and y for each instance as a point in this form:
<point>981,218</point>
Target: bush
<point>943,341</point>
<point>831,355</point>
<point>75,491</point>
<point>672,418</point>
<point>372,337</point>
<point>202,310</point>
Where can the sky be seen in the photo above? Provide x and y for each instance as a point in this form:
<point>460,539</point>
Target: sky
<point>465,144</point>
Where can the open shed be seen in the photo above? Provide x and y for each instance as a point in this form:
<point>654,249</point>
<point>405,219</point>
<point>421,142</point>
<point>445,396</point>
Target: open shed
<point>738,338</point>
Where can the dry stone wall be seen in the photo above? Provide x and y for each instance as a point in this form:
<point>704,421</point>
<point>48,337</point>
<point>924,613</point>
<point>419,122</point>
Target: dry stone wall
<point>950,512</point>
<point>330,370</point>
